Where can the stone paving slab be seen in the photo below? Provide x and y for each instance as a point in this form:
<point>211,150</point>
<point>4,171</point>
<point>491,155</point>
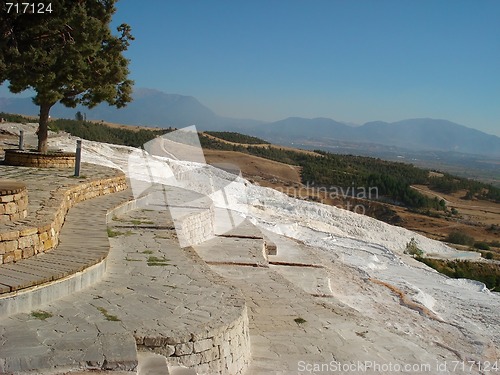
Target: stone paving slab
<point>233,250</point>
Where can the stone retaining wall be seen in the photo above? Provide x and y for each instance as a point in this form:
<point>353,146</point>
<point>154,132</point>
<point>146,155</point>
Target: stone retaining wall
<point>224,349</point>
<point>34,159</point>
<point>195,227</point>
<point>14,206</point>
<point>28,240</point>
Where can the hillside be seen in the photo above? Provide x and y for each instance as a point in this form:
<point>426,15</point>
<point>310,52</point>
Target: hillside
<point>392,192</point>
<point>476,217</point>
<point>426,202</point>
<point>357,269</point>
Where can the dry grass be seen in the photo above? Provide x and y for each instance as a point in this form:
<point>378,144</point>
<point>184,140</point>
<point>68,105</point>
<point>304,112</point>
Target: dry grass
<point>254,167</point>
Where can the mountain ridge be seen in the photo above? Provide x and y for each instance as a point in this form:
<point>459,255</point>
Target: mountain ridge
<point>152,107</point>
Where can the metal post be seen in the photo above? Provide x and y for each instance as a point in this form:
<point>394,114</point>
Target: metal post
<point>21,140</point>
<point>78,158</point>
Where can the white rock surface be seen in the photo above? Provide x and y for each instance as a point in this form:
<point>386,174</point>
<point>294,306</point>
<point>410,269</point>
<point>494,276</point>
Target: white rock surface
<point>350,244</point>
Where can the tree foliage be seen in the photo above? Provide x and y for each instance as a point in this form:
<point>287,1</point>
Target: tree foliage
<point>101,133</point>
<point>237,137</point>
<point>68,56</point>
<point>460,238</point>
<point>392,179</point>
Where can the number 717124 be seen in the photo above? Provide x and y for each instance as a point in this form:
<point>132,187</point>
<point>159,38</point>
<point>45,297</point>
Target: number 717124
<point>29,8</point>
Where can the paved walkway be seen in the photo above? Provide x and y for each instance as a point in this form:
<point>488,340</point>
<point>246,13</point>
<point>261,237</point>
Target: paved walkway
<point>42,185</point>
<point>83,242</point>
<point>84,224</point>
<point>294,321</point>
<point>152,289</point>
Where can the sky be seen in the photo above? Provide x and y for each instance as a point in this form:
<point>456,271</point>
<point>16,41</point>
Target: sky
<point>351,60</point>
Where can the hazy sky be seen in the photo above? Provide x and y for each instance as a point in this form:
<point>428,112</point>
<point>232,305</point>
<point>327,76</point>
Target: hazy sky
<point>351,60</point>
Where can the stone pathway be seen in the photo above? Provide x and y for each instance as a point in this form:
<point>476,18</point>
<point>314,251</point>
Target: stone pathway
<point>296,324</point>
<point>83,242</point>
<point>42,184</point>
<point>155,296</point>
<point>85,223</point>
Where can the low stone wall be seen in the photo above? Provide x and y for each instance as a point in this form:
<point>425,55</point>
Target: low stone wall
<point>13,201</point>
<point>195,227</point>
<point>35,159</point>
<point>224,349</point>
<point>26,241</point>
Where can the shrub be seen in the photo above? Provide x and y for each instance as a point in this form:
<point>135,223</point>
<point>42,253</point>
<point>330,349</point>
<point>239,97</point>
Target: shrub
<point>489,255</point>
<point>481,246</point>
<point>488,274</point>
<point>413,249</point>
<point>460,238</point>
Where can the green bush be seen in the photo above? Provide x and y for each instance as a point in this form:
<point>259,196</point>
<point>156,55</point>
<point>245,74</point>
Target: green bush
<point>489,274</point>
<point>460,238</point>
<point>16,118</point>
<point>489,255</point>
<point>413,249</point>
<point>93,131</point>
<point>481,246</point>
<point>237,137</point>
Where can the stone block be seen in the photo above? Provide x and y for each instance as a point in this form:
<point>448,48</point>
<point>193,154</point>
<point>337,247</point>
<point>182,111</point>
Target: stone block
<point>28,232</point>
<point>152,342</point>
<point>44,236</point>
<point>210,355</point>
<point>28,252</point>
<point>8,236</point>
<point>11,208</point>
<point>225,349</point>
<point>25,242</point>
<point>202,345</point>
<point>18,196</point>
<point>8,246</point>
<point>8,258</point>
<point>48,244</point>
<point>191,360</point>
<point>204,368</point>
<point>44,228</point>
<point>169,350</point>
<point>18,254</point>
<point>6,198</point>
<point>184,349</point>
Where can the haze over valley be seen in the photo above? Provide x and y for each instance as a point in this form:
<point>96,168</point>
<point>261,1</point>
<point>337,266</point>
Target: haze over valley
<point>448,146</point>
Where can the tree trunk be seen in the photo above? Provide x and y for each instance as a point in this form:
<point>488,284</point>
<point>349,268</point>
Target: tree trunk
<point>43,127</point>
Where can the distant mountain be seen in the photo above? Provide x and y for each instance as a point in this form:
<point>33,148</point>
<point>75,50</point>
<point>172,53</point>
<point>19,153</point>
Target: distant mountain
<point>156,108</point>
<point>431,134</point>
<point>23,106</point>
<point>149,108</point>
<point>414,134</point>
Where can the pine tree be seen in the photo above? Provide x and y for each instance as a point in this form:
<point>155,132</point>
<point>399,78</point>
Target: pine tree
<point>68,55</point>
<point>79,116</point>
